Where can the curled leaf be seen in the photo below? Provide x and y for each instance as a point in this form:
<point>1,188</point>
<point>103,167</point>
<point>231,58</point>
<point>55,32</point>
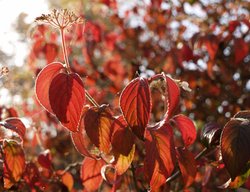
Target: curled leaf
<point>210,134</point>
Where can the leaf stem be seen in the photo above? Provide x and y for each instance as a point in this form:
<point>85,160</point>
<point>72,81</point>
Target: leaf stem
<point>64,48</point>
<point>177,173</point>
<point>91,99</point>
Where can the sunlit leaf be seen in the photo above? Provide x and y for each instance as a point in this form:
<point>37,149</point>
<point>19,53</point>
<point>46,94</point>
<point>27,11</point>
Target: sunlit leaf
<point>14,163</point>
<point>50,50</point>
<point>172,95</point>
<point>123,161</point>
<point>187,165</point>
<point>67,98</point>
<point>15,125</point>
<point>160,157</point>
<point>43,82</point>
<point>187,129</point>
<point>91,173</point>
<point>135,103</point>
<point>97,123</point>
<point>235,143</point>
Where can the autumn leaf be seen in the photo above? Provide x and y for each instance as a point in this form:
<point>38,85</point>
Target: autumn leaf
<point>91,173</point>
<point>67,98</point>
<point>16,125</point>
<point>14,163</point>
<point>45,159</point>
<point>235,143</point>
<point>172,96</point>
<point>187,165</point>
<point>186,127</point>
<point>135,103</point>
<point>97,123</point>
<point>160,155</point>
<point>43,82</point>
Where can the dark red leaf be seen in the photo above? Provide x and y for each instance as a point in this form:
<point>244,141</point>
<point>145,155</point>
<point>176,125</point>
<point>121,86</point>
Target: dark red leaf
<point>187,129</point>
<point>14,163</point>
<point>44,159</point>
<point>235,143</point>
<point>187,165</point>
<point>91,173</point>
<point>210,134</point>
<point>43,82</point>
<point>241,50</point>
<point>172,96</point>
<point>67,98</point>
<point>97,123</point>
<point>135,103</point>
<point>15,125</point>
<point>211,43</point>
<point>122,138</point>
<point>160,157</point>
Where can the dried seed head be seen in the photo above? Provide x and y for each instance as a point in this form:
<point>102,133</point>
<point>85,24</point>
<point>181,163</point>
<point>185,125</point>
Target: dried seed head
<point>60,18</point>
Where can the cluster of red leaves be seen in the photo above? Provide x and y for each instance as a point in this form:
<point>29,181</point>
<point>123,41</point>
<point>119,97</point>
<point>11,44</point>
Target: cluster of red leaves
<point>132,143</point>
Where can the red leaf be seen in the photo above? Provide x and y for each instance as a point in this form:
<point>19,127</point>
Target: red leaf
<point>15,125</point>
<point>50,50</point>
<point>135,103</point>
<point>187,129</point>
<point>241,50</point>
<point>79,138</point>
<point>187,165</point>
<point>172,95</point>
<point>122,138</point>
<point>43,82</point>
<point>91,173</point>
<point>67,98</point>
<point>160,157</point>
<point>14,163</point>
<point>44,159</point>
<point>235,144</point>
<point>97,122</point>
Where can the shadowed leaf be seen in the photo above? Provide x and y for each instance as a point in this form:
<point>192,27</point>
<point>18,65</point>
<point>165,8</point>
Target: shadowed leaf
<point>187,165</point>
<point>67,98</point>
<point>210,135</point>
<point>97,123</point>
<point>235,143</point>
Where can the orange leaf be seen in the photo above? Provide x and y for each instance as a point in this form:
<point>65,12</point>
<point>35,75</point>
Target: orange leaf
<point>14,163</point>
<point>91,173</point>
<point>97,122</point>
<point>67,179</point>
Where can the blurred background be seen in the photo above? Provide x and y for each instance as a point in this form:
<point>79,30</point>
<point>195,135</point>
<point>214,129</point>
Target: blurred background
<point>205,43</point>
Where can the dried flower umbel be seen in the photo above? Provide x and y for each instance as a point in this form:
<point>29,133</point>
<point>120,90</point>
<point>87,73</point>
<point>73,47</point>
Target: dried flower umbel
<point>4,71</point>
<point>60,18</point>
